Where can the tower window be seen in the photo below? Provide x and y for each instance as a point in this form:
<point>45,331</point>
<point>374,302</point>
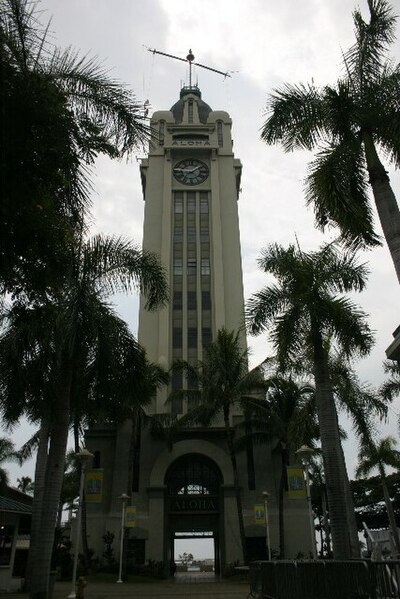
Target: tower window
<point>178,266</point>
<point>204,234</point>
<point>177,302</point>
<point>191,234</point>
<point>192,337</point>
<point>191,266</point>
<point>178,205</point>
<point>178,233</point>
<point>203,205</point>
<point>191,204</point>
<point>205,266</point>
<point>220,134</point>
<point>207,337</point>
<point>190,111</point>
<point>191,300</point>
<point>206,300</point>
<point>176,337</point>
<point>161,133</point>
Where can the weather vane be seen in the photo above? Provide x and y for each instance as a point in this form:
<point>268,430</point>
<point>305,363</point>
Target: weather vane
<point>190,58</point>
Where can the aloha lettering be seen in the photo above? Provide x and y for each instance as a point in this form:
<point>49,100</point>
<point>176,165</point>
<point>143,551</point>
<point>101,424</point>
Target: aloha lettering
<point>190,142</point>
<point>194,505</point>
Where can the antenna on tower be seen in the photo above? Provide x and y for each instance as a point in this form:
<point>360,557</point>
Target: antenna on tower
<point>190,59</point>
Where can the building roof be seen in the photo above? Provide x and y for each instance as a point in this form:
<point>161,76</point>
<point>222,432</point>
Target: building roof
<point>11,505</point>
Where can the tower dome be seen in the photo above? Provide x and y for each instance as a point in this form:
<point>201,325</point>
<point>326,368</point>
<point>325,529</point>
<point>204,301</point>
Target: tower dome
<point>203,108</point>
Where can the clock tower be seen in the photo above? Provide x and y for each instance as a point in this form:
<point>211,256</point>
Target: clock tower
<point>191,184</point>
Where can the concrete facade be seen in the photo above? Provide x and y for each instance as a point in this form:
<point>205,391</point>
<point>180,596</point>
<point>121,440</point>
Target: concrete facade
<point>191,184</point>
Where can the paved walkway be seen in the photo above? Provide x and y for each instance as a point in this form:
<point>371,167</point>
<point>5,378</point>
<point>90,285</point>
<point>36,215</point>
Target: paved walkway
<point>199,587</point>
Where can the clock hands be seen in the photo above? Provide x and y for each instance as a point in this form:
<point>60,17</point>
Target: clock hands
<point>187,169</point>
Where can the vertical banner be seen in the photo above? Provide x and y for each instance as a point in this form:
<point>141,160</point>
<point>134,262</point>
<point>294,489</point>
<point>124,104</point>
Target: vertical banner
<point>130,516</point>
<point>259,513</point>
<point>94,486</point>
<point>296,483</point>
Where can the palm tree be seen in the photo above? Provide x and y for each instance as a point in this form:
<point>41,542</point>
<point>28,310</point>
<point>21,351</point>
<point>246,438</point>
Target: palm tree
<point>7,454</point>
<point>378,455</point>
<point>25,484</point>
<point>348,123</point>
<point>285,417</point>
<point>63,110</point>
<point>52,342</point>
<point>222,381</point>
<point>145,379</point>
<point>391,388</point>
<point>304,311</point>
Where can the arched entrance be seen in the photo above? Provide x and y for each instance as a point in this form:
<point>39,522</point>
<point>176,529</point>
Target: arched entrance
<point>194,502</point>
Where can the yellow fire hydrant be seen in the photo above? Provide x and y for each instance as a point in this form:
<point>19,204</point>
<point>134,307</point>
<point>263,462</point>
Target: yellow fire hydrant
<point>80,588</point>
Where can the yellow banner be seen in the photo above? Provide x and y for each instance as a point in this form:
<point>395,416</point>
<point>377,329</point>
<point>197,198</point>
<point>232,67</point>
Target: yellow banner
<point>94,486</point>
<point>259,513</point>
<point>296,483</point>
<point>130,516</point>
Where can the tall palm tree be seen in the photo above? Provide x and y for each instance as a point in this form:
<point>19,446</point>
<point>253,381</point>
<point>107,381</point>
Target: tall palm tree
<point>62,110</point>
<point>70,330</point>
<point>376,456</point>
<point>221,382</point>
<point>285,417</point>
<point>304,310</point>
<point>348,123</point>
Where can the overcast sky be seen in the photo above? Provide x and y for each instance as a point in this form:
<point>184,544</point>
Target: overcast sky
<point>264,44</point>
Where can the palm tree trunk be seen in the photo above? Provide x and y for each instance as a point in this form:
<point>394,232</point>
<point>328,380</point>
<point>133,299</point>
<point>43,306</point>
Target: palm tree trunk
<point>331,452</point>
<point>53,484</point>
<point>85,545</point>
<point>40,474</point>
<point>284,463</point>
<point>351,519</point>
<point>385,200</point>
<point>232,455</point>
<point>132,450</point>
<point>326,524</point>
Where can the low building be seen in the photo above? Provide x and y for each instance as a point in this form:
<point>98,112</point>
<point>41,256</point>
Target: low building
<point>15,524</point>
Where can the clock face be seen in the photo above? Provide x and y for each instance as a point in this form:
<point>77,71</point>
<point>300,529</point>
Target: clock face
<point>190,171</point>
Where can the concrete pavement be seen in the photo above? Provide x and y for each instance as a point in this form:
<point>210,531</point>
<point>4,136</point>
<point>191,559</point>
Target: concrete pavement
<point>181,588</point>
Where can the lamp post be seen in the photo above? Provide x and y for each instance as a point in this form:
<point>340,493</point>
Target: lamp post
<point>84,456</point>
<point>304,454</point>
<point>266,496</point>
<point>124,498</point>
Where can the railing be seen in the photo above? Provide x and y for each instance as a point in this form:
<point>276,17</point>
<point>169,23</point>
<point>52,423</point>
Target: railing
<point>355,579</point>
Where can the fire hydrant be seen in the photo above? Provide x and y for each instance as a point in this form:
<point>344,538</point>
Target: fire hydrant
<point>80,588</point>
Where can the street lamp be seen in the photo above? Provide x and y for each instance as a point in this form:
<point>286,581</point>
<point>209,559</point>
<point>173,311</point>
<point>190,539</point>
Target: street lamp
<point>266,496</point>
<point>84,456</point>
<point>124,498</point>
<point>304,454</point>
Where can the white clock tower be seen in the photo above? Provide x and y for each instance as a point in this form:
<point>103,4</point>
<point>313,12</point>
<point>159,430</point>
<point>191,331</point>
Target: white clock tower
<point>191,184</point>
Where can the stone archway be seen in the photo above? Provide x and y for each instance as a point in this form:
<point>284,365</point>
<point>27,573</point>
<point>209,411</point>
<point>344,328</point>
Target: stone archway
<point>194,502</point>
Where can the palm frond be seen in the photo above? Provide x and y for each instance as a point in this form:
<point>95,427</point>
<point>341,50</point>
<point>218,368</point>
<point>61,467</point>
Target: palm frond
<point>391,388</point>
<point>367,56</point>
<point>336,187</point>
<point>294,117</point>
<point>111,120</point>
<point>342,316</point>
